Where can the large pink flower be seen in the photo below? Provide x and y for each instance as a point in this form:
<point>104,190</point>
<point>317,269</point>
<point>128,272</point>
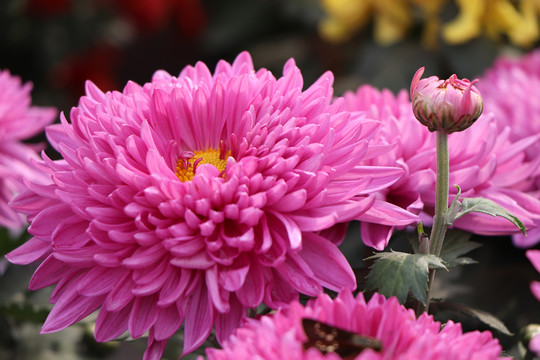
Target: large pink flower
<point>509,89</point>
<point>484,162</point>
<point>18,121</point>
<point>191,199</point>
<point>401,335</point>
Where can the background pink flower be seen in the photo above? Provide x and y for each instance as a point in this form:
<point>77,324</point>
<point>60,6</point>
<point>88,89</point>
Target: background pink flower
<point>534,258</point>
<point>507,87</point>
<point>484,162</point>
<point>189,200</point>
<point>18,121</point>
<point>403,336</point>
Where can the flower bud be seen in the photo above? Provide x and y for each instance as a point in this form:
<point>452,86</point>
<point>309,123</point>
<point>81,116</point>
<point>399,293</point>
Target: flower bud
<point>445,105</point>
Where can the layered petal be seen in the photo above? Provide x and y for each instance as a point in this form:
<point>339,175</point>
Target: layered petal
<point>190,199</point>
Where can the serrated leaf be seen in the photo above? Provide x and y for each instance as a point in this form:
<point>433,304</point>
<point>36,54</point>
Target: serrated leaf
<point>396,273</point>
<point>488,207</point>
<point>457,243</point>
<point>483,316</point>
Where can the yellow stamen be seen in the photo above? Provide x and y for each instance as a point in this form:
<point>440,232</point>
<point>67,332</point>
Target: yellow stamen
<point>186,168</point>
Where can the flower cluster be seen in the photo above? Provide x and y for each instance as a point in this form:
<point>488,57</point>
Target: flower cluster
<point>506,89</point>
<point>392,20</point>
<point>496,18</point>
<point>401,334</point>
<point>18,121</point>
<point>484,162</point>
<point>190,199</point>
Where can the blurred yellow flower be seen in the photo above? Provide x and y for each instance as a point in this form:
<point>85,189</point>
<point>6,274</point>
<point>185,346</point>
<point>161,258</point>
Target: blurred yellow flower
<point>391,20</point>
<point>519,22</point>
<point>344,17</point>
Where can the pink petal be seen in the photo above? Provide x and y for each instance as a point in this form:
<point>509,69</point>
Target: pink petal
<point>155,349</point>
<point>30,251</point>
<point>299,275</point>
<point>199,320</point>
<point>143,315</point>
<point>70,308</point>
<point>49,272</point>
<point>534,258</point>
<point>327,263</point>
<point>167,323</point>
<point>535,289</point>
<point>110,325</point>
<point>252,292</point>
<point>375,235</point>
<point>228,322</point>
<point>218,296</point>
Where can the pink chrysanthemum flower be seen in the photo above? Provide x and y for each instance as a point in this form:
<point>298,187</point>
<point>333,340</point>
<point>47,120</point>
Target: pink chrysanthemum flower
<point>484,162</point>
<point>18,121</point>
<point>189,200</point>
<point>400,333</point>
<point>508,88</point>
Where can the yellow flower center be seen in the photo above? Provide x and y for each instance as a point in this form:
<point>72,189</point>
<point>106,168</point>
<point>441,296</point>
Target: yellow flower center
<point>187,168</point>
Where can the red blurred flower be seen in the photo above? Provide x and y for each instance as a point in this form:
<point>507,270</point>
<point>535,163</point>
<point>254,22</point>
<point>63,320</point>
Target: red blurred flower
<point>151,15</point>
<point>98,64</point>
<point>48,7</point>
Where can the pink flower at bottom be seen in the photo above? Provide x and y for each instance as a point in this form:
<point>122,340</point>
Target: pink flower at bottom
<point>401,334</point>
<point>18,121</point>
<point>190,199</point>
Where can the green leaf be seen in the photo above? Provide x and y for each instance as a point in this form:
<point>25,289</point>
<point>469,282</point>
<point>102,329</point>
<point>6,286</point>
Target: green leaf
<point>487,207</point>
<point>483,316</point>
<point>397,273</point>
<point>457,243</point>
<point>454,208</point>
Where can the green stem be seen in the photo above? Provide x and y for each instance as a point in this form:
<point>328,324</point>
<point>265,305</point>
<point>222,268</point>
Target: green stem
<point>441,195</point>
<point>440,225</point>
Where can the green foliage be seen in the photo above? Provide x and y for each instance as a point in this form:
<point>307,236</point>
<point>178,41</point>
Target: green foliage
<point>9,242</point>
<point>456,244</point>
<point>486,318</point>
<point>462,206</point>
<point>397,273</point>
<point>24,312</point>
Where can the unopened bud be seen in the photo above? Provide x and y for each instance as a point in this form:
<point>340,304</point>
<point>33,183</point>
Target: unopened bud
<point>445,105</point>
